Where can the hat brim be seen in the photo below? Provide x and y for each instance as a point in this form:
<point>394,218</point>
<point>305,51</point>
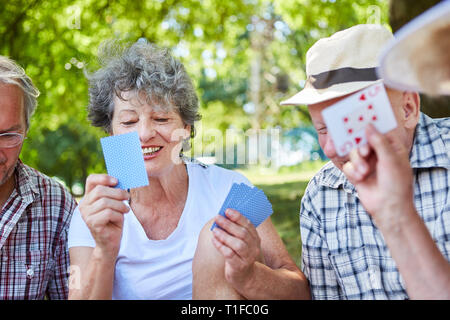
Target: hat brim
<point>395,66</point>
<point>310,95</point>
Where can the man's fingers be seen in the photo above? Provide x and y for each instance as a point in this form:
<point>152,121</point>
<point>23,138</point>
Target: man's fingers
<point>359,163</point>
<point>364,150</point>
<point>383,148</point>
<point>357,168</point>
<point>351,173</point>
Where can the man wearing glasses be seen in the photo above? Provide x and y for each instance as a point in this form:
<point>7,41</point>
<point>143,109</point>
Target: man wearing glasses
<point>35,210</point>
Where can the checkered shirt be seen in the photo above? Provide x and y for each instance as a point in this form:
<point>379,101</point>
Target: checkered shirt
<point>34,222</point>
<point>344,255</point>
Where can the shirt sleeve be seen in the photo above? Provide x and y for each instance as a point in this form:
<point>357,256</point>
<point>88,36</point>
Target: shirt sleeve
<point>58,283</point>
<point>79,234</point>
<point>316,263</point>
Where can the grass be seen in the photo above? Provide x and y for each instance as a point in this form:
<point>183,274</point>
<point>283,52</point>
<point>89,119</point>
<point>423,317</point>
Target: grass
<point>284,189</point>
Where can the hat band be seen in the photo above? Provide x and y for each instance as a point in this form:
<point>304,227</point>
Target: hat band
<point>328,78</point>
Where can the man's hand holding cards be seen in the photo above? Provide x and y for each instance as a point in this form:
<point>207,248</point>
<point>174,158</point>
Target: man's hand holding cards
<point>347,119</point>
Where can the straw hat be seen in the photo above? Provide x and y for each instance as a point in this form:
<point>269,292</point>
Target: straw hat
<point>341,64</point>
<point>418,59</point>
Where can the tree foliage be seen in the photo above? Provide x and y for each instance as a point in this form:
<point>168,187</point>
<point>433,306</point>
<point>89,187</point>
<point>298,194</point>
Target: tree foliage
<point>245,56</point>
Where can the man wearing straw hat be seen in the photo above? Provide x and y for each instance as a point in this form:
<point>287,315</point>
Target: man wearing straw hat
<point>370,229</point>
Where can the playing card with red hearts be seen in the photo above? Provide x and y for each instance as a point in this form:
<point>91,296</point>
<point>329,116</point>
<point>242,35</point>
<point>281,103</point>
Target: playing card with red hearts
<point>347,119</point>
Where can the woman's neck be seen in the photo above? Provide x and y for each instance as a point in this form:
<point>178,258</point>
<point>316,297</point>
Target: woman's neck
<point>171,188</point>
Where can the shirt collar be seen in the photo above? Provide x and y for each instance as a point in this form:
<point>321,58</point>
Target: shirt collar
<point>429,149</point>
<point>25,186</point>
<point>330,176</point>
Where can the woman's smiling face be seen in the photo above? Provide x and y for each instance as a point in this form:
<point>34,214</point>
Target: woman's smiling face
<point>160,132</point>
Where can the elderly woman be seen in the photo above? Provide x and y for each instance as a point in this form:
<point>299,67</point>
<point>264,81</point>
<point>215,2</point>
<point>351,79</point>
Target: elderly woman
<point>141,244</point>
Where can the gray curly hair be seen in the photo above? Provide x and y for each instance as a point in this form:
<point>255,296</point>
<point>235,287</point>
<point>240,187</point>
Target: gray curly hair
<point>12,73</point>
<point>140,67</point>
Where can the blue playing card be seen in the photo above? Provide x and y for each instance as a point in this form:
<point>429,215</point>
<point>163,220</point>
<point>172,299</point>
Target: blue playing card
<point>225,205</point>
<point>256,208</point>
<point>242,191</point>
<point>124,160</point>
<point>251,202</point>
<point>250,194</point>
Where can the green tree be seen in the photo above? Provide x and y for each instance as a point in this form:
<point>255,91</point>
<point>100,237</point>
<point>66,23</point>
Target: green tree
<point>245,56</point>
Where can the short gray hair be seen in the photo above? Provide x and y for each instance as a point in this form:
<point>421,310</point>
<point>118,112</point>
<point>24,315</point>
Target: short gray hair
<point>140,67</point>
<point>12,73</point>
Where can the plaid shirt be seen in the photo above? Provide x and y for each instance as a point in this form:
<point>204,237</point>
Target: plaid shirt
<point>34,223</point>
<point>344,254</point>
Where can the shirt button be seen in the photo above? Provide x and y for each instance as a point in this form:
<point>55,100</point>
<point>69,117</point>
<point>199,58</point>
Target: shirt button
<point>30,273</point>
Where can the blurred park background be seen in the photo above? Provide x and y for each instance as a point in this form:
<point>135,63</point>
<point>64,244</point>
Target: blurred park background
<point>244,56</point>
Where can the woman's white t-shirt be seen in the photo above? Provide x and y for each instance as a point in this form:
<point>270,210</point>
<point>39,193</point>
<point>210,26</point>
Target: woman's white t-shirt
<point>162,269</point>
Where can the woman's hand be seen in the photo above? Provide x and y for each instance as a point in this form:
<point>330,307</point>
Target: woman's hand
<point>240,245</point>
<point>102,209</point>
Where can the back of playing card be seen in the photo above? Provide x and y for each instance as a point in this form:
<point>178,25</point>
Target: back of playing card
<point>251,202</point>
<point>124,160</point>
<point>347,119</point>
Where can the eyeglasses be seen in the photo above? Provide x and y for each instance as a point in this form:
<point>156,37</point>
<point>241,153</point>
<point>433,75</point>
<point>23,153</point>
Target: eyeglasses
<point>11,139</point>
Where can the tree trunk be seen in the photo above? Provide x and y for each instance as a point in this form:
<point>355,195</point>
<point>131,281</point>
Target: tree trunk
<point>260,38</point>
<point>401,12</point>
<point>255,77</point>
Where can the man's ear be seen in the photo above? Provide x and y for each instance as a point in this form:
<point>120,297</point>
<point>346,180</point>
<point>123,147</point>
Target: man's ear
<point>411,109</point>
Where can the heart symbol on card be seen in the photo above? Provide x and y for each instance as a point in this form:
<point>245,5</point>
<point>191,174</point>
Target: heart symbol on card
<point>358,140</point>
<point>362,97</point>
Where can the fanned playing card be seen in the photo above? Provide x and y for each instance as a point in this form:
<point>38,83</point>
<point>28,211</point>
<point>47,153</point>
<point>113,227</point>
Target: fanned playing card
<point>124,160</point>
<point>251,202</point>
<point>347,119</point>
